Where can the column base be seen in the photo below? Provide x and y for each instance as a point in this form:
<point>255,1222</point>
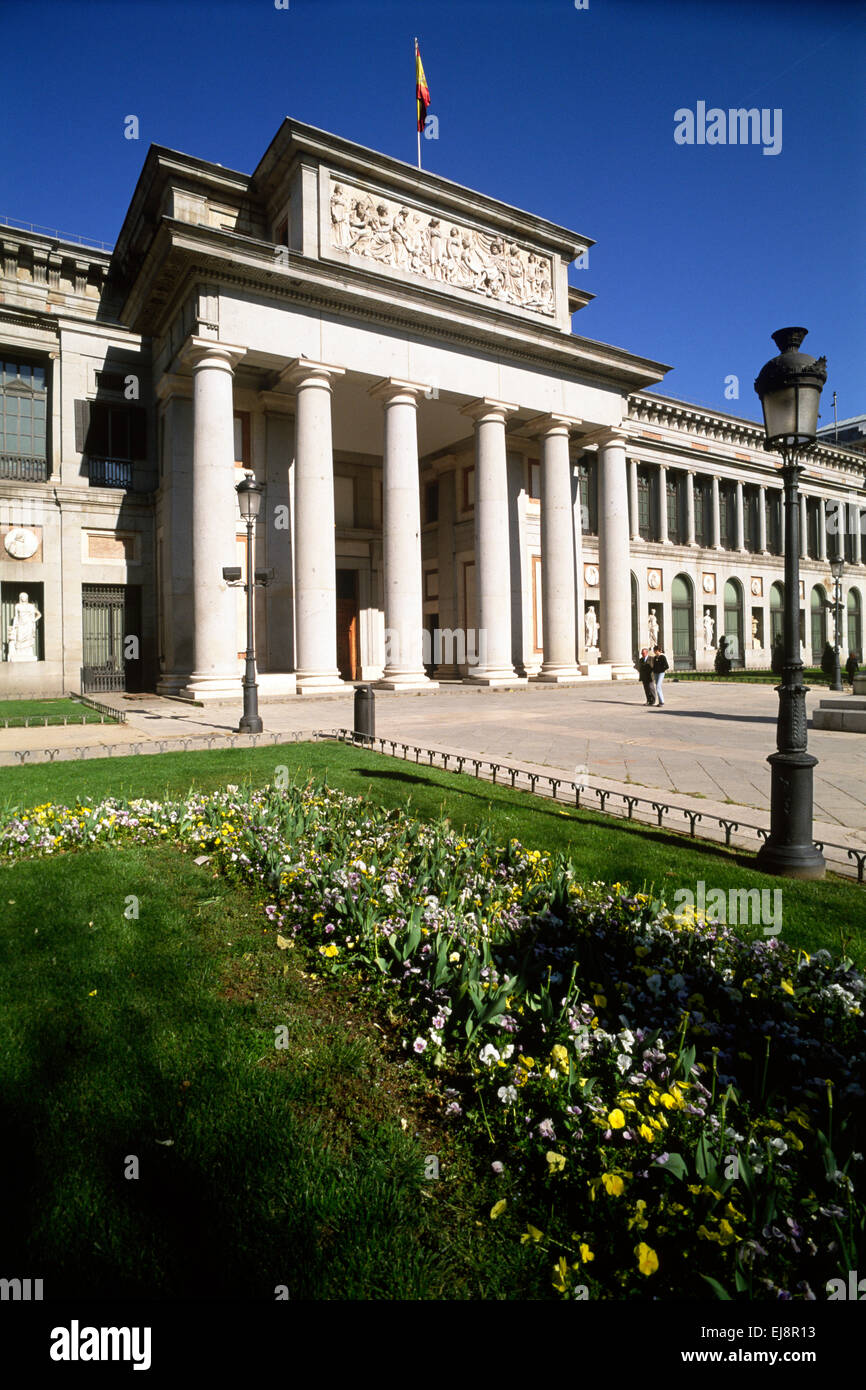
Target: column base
<point>495,677</point>
<point>205,688</point>
<point>597,671</point>
<point>622,671</point>
<point>559,675</point>
<point>410,680</point>
<point>320,683</point>
<point>170,685</point>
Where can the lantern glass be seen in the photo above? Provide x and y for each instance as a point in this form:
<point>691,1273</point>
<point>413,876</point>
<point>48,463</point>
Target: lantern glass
<point>837,568</point>
<point>249,497</point>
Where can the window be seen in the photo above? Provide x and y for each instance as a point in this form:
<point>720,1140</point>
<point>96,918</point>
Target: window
<point>431,502</point>
<point>728,515</point>
<point>535,480</point>
<point>113,437</point>
<point>242,439</point>
<point>703,510</point>
<point>774,521</point>
<point>468,489</point>
<point>813,528</point>
<point>854,625</point>
<point>675,502</point>
<point>751,519</point>
<point>588,475</point>
<point>23,416</point>
<point>645,509</point>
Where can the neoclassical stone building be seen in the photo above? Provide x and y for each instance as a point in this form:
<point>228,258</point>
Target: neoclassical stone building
<point>456,484</point>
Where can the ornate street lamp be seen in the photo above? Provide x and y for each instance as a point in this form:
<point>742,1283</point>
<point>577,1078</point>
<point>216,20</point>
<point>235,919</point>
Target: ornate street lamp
<point>837,569</point>
<point>250,500</point>
<point>789,387</point>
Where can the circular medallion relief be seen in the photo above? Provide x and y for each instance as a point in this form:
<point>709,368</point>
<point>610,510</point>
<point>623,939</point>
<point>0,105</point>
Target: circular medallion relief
<point>756,588</point>
<point>709,583</point>
<point>590,576</point>
<point>21,543</point>
<point>654,579</point>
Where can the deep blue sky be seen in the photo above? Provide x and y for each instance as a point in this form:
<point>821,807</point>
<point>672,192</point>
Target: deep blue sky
<point>702,252</point>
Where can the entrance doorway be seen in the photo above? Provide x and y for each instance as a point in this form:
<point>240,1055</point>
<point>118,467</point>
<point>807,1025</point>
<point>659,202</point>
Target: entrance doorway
<point>683,621</point>
<point>348,659</point>
<point>111,637</point>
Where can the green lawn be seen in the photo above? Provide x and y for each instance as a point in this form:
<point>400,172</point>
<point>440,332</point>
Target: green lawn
<point>153,1039</point>
<point>828,914</point>
<point>15,713</point>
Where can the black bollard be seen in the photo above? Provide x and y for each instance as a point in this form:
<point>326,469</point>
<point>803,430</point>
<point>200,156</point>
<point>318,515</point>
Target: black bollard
<point>365,711</point>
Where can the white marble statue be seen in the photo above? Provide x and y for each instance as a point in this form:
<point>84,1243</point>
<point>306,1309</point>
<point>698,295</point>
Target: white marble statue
<point>22,636</point>
<point>754,632</point>
<point>590,623</point>
<point>653,628</point>
<point>709,625</point>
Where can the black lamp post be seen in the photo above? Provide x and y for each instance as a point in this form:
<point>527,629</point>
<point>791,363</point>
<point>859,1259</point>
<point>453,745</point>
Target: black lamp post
<point>837,568</point>
<point>789,387</point>
<point>250,500</point>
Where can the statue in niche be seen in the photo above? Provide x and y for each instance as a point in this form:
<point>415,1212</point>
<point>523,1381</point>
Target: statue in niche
<point>590,623</point>
<point>653,627</point>
<point>709,625</point>
<point>755,626</point>
<point>22,635</point>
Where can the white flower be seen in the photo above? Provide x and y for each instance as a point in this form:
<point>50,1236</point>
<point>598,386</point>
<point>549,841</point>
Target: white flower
<point>507,1051</point>
<point>623,1062</point>
<point>507,1094</point>
<point>420,1044</point>
<point>488,1055</point>
<point>779,1145</point>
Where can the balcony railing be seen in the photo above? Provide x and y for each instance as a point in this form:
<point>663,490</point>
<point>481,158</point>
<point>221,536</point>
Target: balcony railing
<point>24,469</point>
<point>110,472</point>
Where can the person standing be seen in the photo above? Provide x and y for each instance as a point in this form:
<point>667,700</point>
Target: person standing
<point>645,674</point>
<point>852,666</point>
<point>660,664</point>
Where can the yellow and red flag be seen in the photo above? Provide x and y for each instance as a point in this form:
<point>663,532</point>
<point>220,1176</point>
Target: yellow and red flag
<point>422,91</point>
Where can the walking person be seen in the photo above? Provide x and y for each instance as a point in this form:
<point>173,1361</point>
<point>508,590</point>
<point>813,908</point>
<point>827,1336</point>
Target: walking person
<point>660,664</point>
<point>645,674</point>
<point>852,666</point>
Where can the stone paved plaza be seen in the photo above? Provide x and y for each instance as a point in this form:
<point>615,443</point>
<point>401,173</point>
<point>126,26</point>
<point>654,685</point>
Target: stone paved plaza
<point>706,749</point>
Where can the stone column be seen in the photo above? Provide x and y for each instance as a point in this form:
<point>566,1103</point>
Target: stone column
<point>822,527</point>
<point>614,556</point>
<point>762,519</point>
<point>315,556</point>
<point>492,554</point>
<point>717,517</point>
<point>857,519</point>
<point>663,505</point>
<point>216,670</point>
<point>633,503</point>
<point>401,539</point>
<point>741,518</point>
<point>690,507</point>
<point>557,553</point>
<point>804,527</point>
<point>446,667</point>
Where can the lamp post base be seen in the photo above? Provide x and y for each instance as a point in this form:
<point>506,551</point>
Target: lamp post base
<point>790,850</point>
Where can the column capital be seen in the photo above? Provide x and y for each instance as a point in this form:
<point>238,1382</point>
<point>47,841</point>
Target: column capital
<point>486,408</point>
<point>196,352</point>
<point>393,389</point>
<point>552,423</point>
<point>173,384</point>
<point>303,371</point>
<point>607,434</point>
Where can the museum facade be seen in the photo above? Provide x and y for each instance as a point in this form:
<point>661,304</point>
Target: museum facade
<point>456,485</point>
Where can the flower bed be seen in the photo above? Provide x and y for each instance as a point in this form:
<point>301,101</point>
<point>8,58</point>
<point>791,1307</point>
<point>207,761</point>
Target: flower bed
<point>669,1111</point>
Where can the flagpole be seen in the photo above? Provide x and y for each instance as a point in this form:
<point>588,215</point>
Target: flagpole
<point>416,101</point>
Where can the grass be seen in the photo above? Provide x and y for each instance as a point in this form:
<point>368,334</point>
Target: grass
<point>812,676</point>
<point>830,914</point>
<point>159,1144</point>
<point>15,714</point>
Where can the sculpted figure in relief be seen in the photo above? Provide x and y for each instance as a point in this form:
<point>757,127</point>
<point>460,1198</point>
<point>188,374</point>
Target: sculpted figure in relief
<point>339,217</point>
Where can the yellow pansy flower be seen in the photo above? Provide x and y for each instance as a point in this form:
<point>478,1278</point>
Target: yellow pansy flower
<point>616,1119</point>
<point>498,1208</point>
<point>647,1259</point>
<point>613,1184</point>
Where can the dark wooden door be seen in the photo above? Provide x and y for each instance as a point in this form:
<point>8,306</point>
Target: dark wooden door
<point>347,625</point>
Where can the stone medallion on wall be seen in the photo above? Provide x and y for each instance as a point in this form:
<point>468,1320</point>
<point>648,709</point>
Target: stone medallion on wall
<point>757,586</point>
<point>708,583</point>
<point>392,233</point>
<point>22,542</point>
<point>590,576</point>
<point>654,579</point>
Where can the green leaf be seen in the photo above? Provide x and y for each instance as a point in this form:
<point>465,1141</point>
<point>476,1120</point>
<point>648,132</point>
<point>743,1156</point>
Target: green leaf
<point>675,1164</point>
<point>717,1289</point>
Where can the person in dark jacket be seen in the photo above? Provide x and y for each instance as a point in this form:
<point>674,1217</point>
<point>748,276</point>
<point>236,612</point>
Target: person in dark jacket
<point>660,664</point>
<point>645,673</point>
<point>852,665</point>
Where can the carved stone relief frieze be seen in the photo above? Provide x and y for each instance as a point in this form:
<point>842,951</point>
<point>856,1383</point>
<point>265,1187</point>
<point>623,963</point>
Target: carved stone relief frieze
<point>406,238</point>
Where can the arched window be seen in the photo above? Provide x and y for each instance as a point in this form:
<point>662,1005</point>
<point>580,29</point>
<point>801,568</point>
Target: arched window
<point>734,620</point>
<point>855,623</point>
<point>777,613</point>
<point>819,623</point>
<point>683,619</point>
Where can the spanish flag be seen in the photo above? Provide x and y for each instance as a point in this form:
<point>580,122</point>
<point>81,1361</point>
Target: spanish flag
<point>422,91</point>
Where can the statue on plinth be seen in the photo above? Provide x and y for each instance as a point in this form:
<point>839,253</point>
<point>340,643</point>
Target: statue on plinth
<point>590,623</point>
